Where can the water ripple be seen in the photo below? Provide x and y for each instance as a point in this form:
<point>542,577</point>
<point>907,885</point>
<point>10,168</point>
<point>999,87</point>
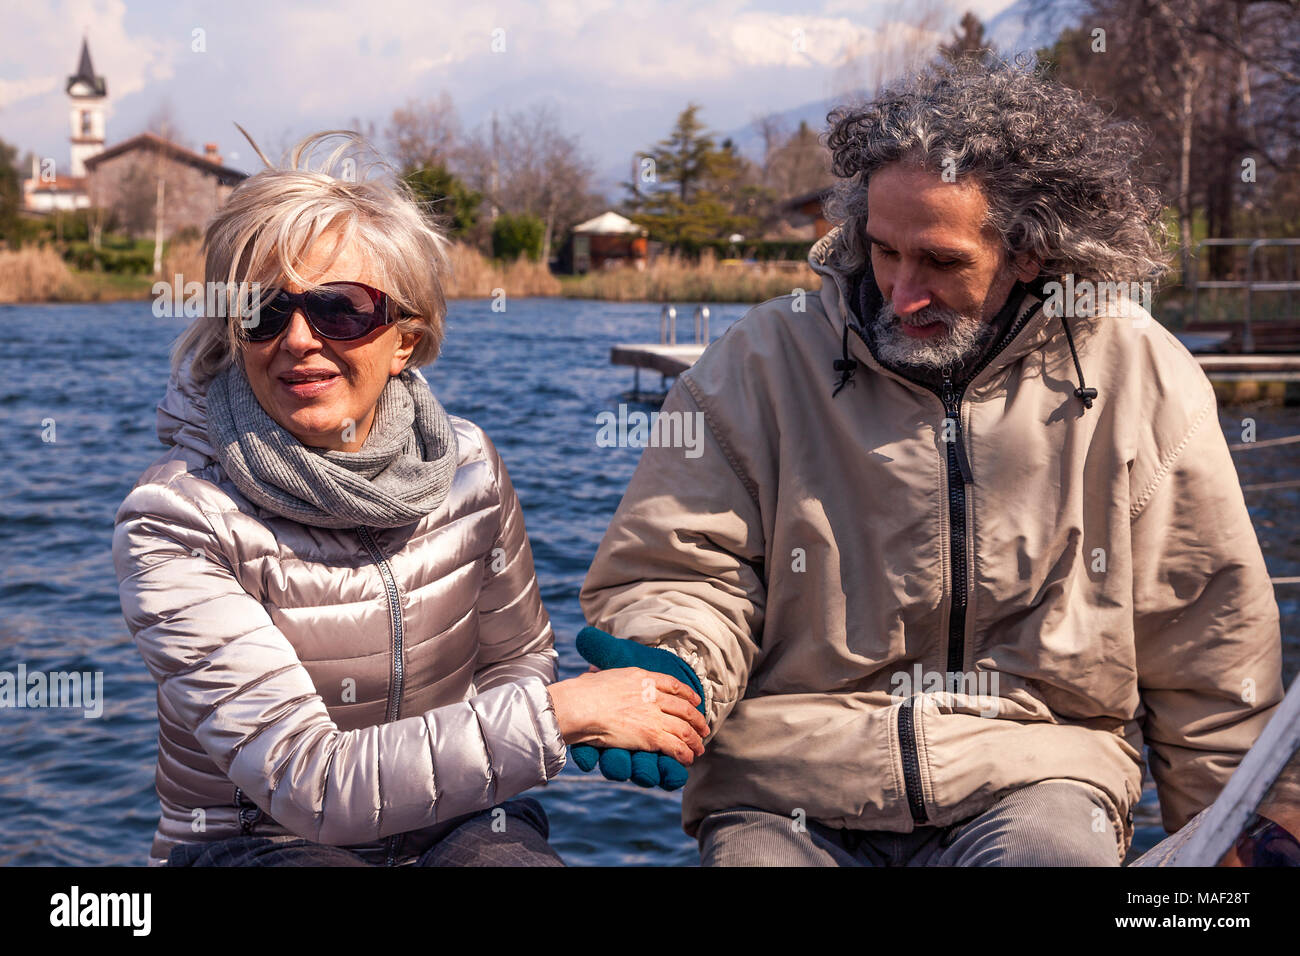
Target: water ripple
<point>80,791</point>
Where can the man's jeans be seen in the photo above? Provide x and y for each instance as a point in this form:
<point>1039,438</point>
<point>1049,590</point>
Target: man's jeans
<point>522,842</point>
<point>1054,823</point>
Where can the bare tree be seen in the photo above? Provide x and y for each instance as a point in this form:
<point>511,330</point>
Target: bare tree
<point>800,164</point>
<point>774,132</point>
<point>423,133</point>
<point>1214,82</point>
<point>365,127</point>
<point>894,48</point>
<point>162,122</point>
<point>132,203</point>
<point>535,168</point>
<point>1186,60</point>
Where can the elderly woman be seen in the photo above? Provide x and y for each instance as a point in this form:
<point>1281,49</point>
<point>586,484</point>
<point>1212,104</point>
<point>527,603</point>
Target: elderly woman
<point>328,575</point>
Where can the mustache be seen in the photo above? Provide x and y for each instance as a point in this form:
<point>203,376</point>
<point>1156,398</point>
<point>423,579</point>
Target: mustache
<point>926,316</point>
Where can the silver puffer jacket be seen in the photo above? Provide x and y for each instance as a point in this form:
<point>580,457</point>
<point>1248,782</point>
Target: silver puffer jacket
<point>356,688</point>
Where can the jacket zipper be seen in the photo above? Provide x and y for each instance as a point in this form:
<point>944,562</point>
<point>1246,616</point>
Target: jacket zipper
<point>395,616</point>
<point>959,476</point>
<point>911,762</point>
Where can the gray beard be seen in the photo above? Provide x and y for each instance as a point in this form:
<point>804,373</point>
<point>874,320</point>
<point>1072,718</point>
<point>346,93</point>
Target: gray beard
<point>966,336</point>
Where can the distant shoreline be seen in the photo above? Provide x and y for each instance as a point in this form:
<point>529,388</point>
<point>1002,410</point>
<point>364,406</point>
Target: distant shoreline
<point>667,282</point>
<point>107,297</point>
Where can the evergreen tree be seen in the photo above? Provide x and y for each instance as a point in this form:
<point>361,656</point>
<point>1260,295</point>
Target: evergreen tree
<point>967,40</point>
<point>517,235</point>
<point>10,192</point>
<point>699,191</point>
<point>684,158</point>
<point>445,197</point>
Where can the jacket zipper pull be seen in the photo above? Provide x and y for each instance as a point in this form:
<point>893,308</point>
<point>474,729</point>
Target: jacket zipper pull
<point>951,410</point>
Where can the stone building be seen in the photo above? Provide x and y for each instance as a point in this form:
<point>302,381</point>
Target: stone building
<point>124,180</point>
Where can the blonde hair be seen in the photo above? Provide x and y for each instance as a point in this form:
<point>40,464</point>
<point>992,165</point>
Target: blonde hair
<point>269,221</point>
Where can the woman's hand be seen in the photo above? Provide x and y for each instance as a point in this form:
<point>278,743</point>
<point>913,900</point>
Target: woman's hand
<point>633,709</point>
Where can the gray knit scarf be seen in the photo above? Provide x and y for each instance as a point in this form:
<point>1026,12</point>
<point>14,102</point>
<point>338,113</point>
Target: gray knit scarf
<point>402,471</point>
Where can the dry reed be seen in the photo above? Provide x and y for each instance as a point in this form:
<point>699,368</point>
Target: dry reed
<point>670,279</point>
<point>183,258</point>
<point>473,276</point>
<point>40,275</point>
<point>37,274</point>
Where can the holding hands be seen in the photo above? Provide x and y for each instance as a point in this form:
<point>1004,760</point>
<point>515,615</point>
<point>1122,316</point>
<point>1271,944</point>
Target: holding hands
<point>640,716</point>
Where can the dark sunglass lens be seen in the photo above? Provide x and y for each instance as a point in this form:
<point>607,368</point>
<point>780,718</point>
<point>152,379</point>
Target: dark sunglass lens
<point>270,318</point>
<point>343,311</point>
<point>358,296</point>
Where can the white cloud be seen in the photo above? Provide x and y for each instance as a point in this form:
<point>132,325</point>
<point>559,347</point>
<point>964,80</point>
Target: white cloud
<point>14,91</point>
<point>287,68</point>
<point>51,43</point>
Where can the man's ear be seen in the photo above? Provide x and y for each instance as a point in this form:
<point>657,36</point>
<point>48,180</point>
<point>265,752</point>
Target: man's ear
<point>403,354</point>
<point>1026,266</point>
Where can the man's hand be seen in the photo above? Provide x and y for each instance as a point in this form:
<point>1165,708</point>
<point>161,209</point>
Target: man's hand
<point>644,769</point>
<point>632,708</point>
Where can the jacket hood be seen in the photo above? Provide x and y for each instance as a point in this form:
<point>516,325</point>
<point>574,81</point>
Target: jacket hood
<point>826,258</point>
<point>183,412</point>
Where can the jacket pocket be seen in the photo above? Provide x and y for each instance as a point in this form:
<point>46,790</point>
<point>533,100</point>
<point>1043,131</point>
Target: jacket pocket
<point>969,762</point>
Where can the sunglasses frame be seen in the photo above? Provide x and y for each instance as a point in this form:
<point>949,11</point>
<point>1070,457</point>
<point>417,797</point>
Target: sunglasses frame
<point>386,312</point>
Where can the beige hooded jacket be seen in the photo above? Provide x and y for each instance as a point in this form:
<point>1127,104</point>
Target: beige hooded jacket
<point>822,563</point>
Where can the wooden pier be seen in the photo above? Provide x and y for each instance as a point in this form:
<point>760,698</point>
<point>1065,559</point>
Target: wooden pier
<point>668,360</point>
<point>667,356</point>
<point>1240,379</point>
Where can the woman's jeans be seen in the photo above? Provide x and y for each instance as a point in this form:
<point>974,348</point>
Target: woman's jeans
<point>474,842</point>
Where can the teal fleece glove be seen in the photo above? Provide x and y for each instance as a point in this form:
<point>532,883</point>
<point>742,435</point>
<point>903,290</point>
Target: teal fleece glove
<point>643,768</point>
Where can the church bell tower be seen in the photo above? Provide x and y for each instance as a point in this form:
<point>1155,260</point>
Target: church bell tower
<point>88,94</point>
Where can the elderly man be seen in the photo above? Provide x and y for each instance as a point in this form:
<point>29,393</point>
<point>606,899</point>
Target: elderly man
<point>964,534</point>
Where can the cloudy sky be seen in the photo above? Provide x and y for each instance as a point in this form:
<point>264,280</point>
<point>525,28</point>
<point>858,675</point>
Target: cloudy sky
<point>616,73</point>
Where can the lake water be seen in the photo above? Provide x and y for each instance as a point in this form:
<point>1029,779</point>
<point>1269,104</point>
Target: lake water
<point>77,791</point>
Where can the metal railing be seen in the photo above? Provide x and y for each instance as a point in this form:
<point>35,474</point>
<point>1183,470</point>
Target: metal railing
<point>668,325</point>
<point>1249,284</point>
<point>1270,485</point>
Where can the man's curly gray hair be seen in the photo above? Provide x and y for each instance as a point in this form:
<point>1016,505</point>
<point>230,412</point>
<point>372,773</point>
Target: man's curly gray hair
<point>1061,176</point>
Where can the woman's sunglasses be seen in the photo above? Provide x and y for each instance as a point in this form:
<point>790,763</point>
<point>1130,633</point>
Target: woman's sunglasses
<point>340,311</point>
